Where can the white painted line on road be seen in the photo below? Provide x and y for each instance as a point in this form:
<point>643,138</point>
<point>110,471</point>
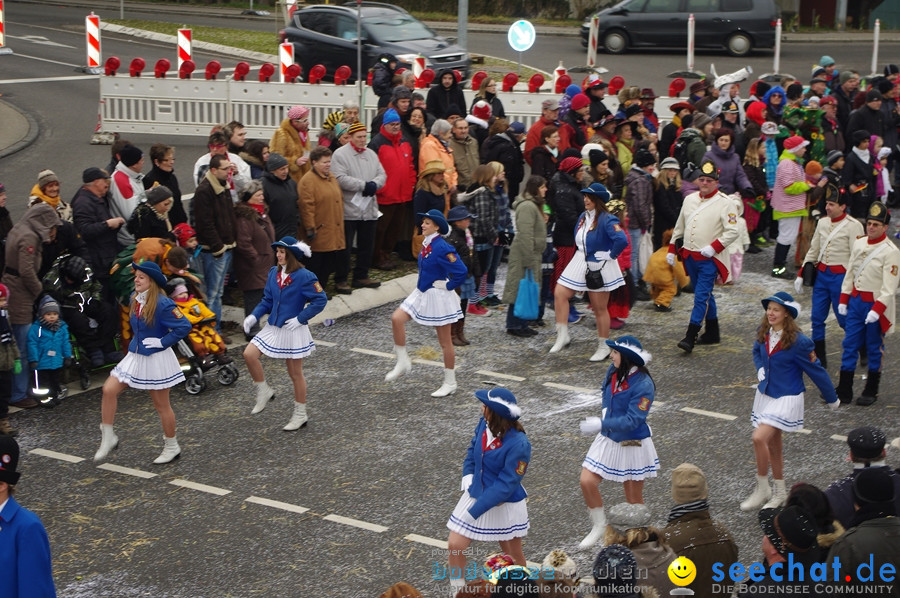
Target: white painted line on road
<point>372,527</point>
<point>567,387</point>
<point>200,487</point>
<point>804,431</point>
<point>47,79</point>
<point>74,66</point>
<point>138,473</point>
<point>58,456</point>
<point>426,540</point>
<point>371,352</point>
<point>439,364</point>
<point>838,437</point>
<point>499,375</point>
<point>724,416</point>
<point>276,504</point>
<point>324,343</point>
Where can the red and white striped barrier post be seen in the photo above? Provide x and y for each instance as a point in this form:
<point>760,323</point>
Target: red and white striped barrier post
<point>286,58</point>
<point>184,46</point>
<point>690,48</point>
<point>592,41</point>
<point>3,48</point>
<point>418,67</point>
<point>92,39</point>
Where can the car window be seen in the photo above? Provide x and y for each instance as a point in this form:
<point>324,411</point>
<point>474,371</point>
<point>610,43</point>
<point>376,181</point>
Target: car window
<point>702,6</point>
<point>319,22</point>
<point>345,28</point>
<point>737,5</point>
<point>399,28</point>
<point>662,6</point>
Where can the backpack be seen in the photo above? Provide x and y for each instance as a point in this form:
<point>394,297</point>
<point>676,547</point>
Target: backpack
<point>679,150</point>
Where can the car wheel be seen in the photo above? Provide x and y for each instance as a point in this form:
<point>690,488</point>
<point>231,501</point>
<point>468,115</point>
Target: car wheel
<point>615,42</point>
<point>739,44</point>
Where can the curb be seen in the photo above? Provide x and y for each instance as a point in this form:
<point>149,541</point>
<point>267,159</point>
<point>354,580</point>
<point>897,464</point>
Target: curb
<point>33,131</point>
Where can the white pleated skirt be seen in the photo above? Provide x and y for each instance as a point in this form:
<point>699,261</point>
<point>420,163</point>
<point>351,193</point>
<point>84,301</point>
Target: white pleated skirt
<point>434,307</point>
<point>784,413</point>
<point>152,372</point>
<point>506,521</point>
<point>573,276</point>
<point>279,343</point>
<point>612,461</point>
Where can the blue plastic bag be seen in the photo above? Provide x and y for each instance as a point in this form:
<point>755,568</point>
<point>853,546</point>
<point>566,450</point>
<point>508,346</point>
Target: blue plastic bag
<point>526,306</point>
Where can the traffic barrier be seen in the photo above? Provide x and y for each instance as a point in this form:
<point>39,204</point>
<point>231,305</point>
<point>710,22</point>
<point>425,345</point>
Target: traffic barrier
<point>265,72</point>
<point>285,58</point>
<point>161,68</point>
<point>341,75</point>
<point>593,33</point>
<point>241,70</point>
<point>184,47</point>
<point>92,37</point>
<point>112,64</point>
<point>136,66</point>
<point>212,69</point>
<point>418,66</point>
<point>187,67</point>
<point>509,81</point>
<point>477,78</point>
<point>557,73</point>
<point>3,48</point>
<point>292,73</point>
<point>535,83</point>
<point>317,73</point>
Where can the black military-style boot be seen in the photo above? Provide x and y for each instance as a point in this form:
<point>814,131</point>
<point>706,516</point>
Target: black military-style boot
<point>870,392</point>
<point>687,343</point>
<point>844,389</point>
<point>710,336</point>
<point>820,352</point>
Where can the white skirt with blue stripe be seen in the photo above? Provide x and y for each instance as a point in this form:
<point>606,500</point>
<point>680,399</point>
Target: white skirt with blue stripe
<point>612,461</point>
<point>573,276</point>
<point>152,372</point>
<point>434,307</point>
<point>784,413</point>
<point>506,521</point>
<point>279,343</point>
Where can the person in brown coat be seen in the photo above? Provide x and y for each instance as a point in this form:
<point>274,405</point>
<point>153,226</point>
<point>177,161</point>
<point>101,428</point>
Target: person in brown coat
<point>254,235</point>
<point>24,249</point>
<point>322,213</point>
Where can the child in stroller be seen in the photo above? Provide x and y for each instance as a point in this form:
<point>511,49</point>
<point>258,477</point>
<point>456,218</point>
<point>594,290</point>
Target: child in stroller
<point>205,342</point>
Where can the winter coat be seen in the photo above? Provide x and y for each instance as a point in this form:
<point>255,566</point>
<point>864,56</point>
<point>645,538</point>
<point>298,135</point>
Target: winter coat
<point>653,560</point>
<point>840,494</point>
<point>286,141</point>
<point>789,191</point>
<point>705,541</point>
<point>639,199</point>
<point>844,108</point>
<point>90,214</point>
<point>48,348</point>
<point>24,248</point>
<point>868,119</point>
<point>433,148</point>
<point>253,255</point>
<point>566,203</point>
<point>322,208</point>
<point>195,311</point>
<point>533,138</point>
<point>9,351</point>
<point>732,178</point>
<point>213,215</point>
<point>466,159</point>
<point>382,75</point>
<point>67,241</point>
<point>396,157</point>
<point>257,168</point>
<point>481,203</point>
<point>543,163</point>
<point>353,170</point>
<point>6,225</point>
<point>877,539</point>
<point>834,137</point>
<point>503,149</point>
<point>177,215</point>
<point>281,198</point>
<point>857,172</point>
<point>440,98</point>
<point>457,238</point>
<point>147,222</point>
<point>527,246</point>
<point>572,131</point>
<point>667,201</point>
<point>891,119</point>
<point>126,192</point>
<point>696,148</point>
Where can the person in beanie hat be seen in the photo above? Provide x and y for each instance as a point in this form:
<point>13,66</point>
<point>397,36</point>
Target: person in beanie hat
<point>49,350</point>
<point>858,174</point>
<point>293,141</point>
<point>127,189</point>
<point>463,242</point>
<point>10,364</point>
<point>151,218</point>
<point>27,564</point>
<point>692,532</point>
<point>280,192</point>
<point>867,299</point>
<point>781,354</point>
<point>615,573</point>
<point>47,190</point>
<point>492,506</point>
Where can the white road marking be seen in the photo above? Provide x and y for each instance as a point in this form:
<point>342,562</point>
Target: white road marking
<point>499,375</point>
<point>200,487</point>
<point>426,540</point>
<point>138,473</point>
<point>324,343</point>
<point>48,79</point>
<point>74,66</point>
<point>371,352</point>
<point>838,437</point>
<point>40,40</point>
<point>276,504</point>
<point>804,431</point>
<point>58,456</point>
<point>724,416</point>
<point>439,364</point>
<point>567,387</point>
<point>372,527</point>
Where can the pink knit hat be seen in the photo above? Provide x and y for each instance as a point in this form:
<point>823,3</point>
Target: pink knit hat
<point>297,112</point>
<point>580,101</point>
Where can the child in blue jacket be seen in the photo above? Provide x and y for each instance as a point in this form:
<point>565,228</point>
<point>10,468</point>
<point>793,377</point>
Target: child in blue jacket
<point>49,350</point>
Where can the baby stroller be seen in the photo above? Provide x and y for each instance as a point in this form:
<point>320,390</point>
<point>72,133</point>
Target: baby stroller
<point>195,369</point>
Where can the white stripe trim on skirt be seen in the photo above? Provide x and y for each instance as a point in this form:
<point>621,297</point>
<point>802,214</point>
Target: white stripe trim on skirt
<point>149,372</point>
<point>505,521</point>
<point>279,343</point>
<point>572,276</point>
<point>612,461</point>
<point>784,413</point>
<point>434,307</point>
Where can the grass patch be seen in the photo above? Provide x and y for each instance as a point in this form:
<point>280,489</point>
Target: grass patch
<point>256,41</point>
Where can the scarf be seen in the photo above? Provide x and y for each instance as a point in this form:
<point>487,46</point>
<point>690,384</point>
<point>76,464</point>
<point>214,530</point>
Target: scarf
<point>359,150</point>
<point>554,151</point>
<point>52,201</point>
<point>679,511</point>
<point>259,207</point>
<point>862,154</point>
<point>51,327</point>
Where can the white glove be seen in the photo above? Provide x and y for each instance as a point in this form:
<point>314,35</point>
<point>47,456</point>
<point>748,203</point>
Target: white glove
<point>292,324</point>
<point>591,425</point>
<point>834,406</point>
<point>708,251</point>
<point>466,482</point>
<point>842,309</point>
<point>152,343</point>
<point>440,284</point>
<point>249,322</point>
<point>761,374</point>
<point>602,256</point>
<point>872,317</point>
<point>670,259</point>
<point>798,285</point>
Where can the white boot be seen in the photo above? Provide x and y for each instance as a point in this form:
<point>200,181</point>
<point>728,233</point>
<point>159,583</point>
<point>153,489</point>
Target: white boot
<point>779,496</point>
<point>759,497</point>
<point>602,351</point>
<point>562,338</point>
<point>171,451</point>
<point>598,517</point>
<point>299,419</point>
<point>264,394</point>
<point>108,442</point>
<point>449,385</point>
<point>403,364</point>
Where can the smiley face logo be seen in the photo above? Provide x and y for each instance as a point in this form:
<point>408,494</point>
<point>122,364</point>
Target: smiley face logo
<point>682,571</point>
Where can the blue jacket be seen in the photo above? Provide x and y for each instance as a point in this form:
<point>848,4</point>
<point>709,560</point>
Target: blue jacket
<point>282,304</point>
<point>169,326</point>
<point>627,407</point>
<point>25,554</point>
<point>496,474</point>
<point>43,341</point>
<point>784,369</point>
<point>606,235</point>
<point>439,261</point>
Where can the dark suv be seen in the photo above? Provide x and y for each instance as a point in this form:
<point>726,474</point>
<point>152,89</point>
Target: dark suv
<point>737,25</point>
<point>326,34</point>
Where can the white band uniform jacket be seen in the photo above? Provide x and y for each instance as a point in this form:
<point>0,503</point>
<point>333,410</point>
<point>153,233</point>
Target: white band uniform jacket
<point>880,277</point>
<point>837,251</point>
<point>496,472</point>
<point>439,261</point>
<point>605,234</point>
<point>715,225</point>
<point>781,368</point>
<point>169,326</point>
<point>627,407</point>
<point>289,301</point>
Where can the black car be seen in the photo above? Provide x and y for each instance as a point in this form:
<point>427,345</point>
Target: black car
<point>739,26</point>
<point>326,34</point>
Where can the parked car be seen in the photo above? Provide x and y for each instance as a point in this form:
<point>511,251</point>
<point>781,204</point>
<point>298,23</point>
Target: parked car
<point>737,25</point>
<point>327,35</point>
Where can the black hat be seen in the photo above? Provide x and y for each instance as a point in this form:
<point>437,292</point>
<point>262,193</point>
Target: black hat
<point>513,585</point>
<point>891,69</point>
<point>401,92</point>
<point>615,569</point>
<point>879,213</point>
<point>885,86</point>
<point>833,156</point>
<point>9,460</point>
<point>791,529</point>
<point>762,88</point>
<point>453,110</point>
<point>873,485</point>
<point>866,442</point>
<point>643,158</point>
<point>794,91</point>
<point>275,161</point>
<point>633,110</point>
<point>873,95</point>
<point>859,136</point>
<point>130,155</point>
<point>597,156</point>
<point>708,168</point>
<point>92,174</point>
<point>74,268</point>
<point>158,194</point>
<point>458,213</point>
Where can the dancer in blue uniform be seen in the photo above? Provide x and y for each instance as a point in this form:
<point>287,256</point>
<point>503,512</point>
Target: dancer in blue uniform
<point>292,296</point>
<point>434,301</point>
<point>492,506</point>
<point>150,364</point>
<point>623,451</point>
<point>781,355</point>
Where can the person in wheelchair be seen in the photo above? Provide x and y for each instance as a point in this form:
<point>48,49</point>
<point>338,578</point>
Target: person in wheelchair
<point>204,340</point>
<point>91,320</point>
